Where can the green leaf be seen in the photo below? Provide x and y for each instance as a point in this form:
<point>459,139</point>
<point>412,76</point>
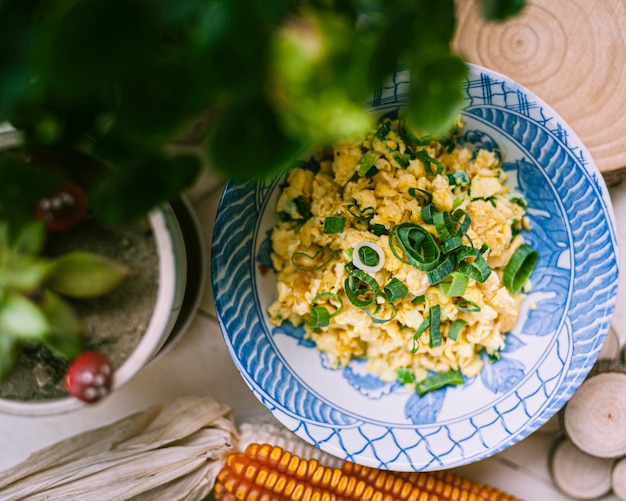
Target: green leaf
<point>152,180</point>
<point>22,318</point>
<point>436,95</point>
<point>66,331</point>
<point>25,274</point>
<point>9,351</point>
<point>30,239</point>
<point>84,275</point>
<point>248,141</point>
<point>499,10</point>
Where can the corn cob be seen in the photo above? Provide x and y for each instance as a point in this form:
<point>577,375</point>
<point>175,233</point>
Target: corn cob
<point>269,473</point>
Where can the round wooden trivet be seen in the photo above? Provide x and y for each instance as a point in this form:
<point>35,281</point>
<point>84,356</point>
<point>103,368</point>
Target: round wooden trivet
<point>570,53</point>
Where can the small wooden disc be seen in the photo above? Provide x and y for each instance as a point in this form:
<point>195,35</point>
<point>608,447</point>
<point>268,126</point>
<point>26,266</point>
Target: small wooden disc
<point>594,419</point>
<point>577,474</point>
<point>618,479</point>
<point>570,53</point>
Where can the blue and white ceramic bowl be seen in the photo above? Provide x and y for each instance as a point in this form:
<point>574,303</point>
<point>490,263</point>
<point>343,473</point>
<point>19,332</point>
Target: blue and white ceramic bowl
<point>354,415</point>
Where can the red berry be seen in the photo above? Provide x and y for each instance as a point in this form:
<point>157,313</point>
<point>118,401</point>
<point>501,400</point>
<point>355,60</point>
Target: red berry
<point>89,377</point>
<point>64,209</point>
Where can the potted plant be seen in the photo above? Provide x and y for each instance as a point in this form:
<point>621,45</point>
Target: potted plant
<point>96,91</point>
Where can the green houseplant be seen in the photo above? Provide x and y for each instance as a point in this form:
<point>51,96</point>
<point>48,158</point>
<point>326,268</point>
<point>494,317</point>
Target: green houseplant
<point>97,91</point>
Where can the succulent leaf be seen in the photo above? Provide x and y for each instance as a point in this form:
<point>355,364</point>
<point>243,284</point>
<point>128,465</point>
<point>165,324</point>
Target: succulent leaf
<point>25,274</point>
<point>84,274</point>
<point>22,318</point>
<point>30,240</point>
<point>65,336</point>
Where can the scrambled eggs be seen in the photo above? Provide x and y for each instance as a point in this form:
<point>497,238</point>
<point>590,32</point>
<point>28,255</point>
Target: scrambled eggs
<point>372,186</point>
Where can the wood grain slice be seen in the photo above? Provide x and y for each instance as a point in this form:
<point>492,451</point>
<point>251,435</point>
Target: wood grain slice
<point>594,419</point>
<point>577,474</point>
<point>611,347</point>
<point>618,479</point>
<point>570,53</point>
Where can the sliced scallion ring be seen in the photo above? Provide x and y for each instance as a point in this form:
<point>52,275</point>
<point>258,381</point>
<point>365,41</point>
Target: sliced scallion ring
<point>374,315</point>
<point>468,307</point>
<point>305,262</point>
<point>442,270</point>
<point>364,256</point>
<point>395,290</point>
<point>424,195</point>
<point>455,328</point>
<point>334,224</point>
<point>477,269</point>
<point>361,289</point>
<point>328,296</point>
<point>454,285</point>
<point>418,247</point>
<point>318,317</point>
<point>428,160</point>
<point>519,268</point>
<point>405,375</point>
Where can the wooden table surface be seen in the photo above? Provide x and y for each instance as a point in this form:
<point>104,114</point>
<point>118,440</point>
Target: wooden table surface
<point>570,53</point>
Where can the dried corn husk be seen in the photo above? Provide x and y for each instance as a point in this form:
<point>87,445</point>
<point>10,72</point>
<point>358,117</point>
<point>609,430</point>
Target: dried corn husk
<point>169,451</point>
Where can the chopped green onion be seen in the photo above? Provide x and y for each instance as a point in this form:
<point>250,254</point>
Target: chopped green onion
<point>302,207</point>
<point>442,270</point>
<point>419,299</point>
<point>463,219</point>
<point>426,196</point>
<point>422,327</point>
<point>405,376</point>
<point>445,227</point>
<point>478,269</point>
<point>334,224</point>
<point>417,245</point>
<point>519,200</point>
<point>364,215</point>
<point>361,289</point>
<point>330,295</point>
<point>319,317</point>
<point>378,320</point>
<point>379,229</point>
<point>403,160</point>
<point>437,381</point>
<point>493,357</point>
<point>395,290</point>
<point>447,143</point>
<point>457,201</point>
<point>368,256</point>
<point>468,307</point>
<point>458,178</point>
<point>383,131</point>
<point>450,245</point>
<point>454,285</point>
<point>428,160</point>
<point>427,213</point>
<point>519,268</point>
<point>372,171</point>
<point>367,161</point>
<point>413,137</point>
<point>305,262</point>
<point>455,328</point>
<point>434,316</point>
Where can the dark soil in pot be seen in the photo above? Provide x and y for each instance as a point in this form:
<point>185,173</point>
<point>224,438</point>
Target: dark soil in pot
<point>114,324</point>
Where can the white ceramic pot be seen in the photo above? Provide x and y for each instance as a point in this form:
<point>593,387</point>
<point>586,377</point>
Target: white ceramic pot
<point>172,279</point>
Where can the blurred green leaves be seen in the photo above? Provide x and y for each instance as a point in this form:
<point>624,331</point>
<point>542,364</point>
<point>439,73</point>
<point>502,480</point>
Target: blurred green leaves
<point>120,79</point>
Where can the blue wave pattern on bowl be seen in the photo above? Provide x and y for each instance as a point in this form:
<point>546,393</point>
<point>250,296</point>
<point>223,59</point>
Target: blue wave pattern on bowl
<point>353,414</point>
